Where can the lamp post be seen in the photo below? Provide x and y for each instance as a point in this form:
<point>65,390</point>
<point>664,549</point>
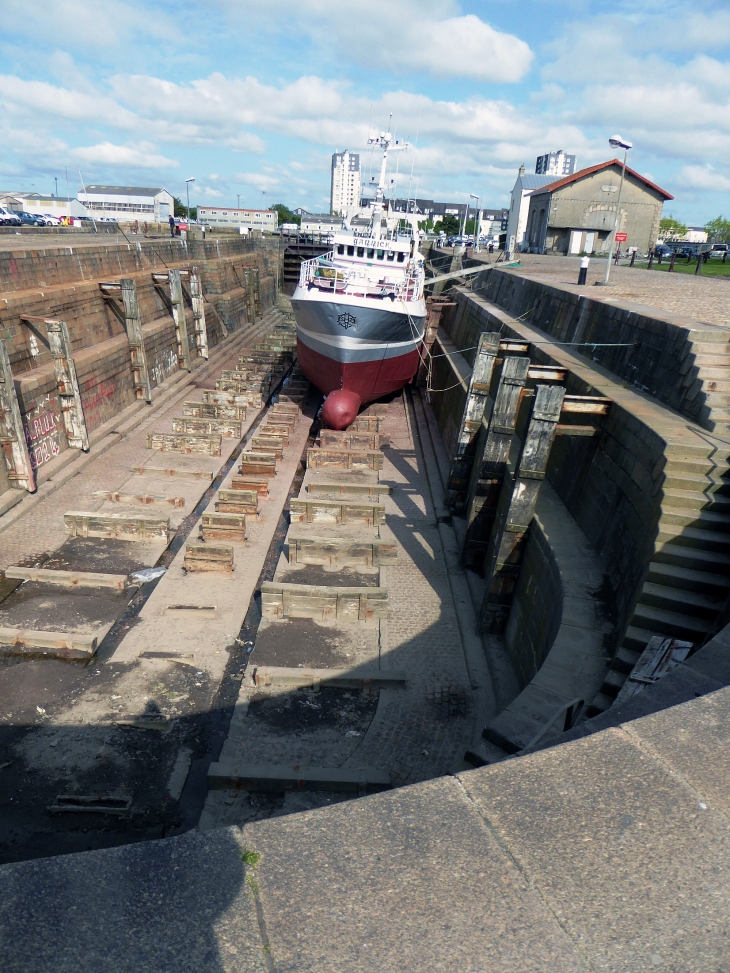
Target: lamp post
<point>238,197</point>
<point>187,190</point>
<point>616,142</point>
<point>477,223</point>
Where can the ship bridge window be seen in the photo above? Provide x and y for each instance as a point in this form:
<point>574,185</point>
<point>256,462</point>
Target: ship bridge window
<point>341,248</point>
<point>361,251</point>
<point>350,251</point>
<point>371,253</point>
<point>391,255</point>
<point>401,257</point>
<point>381,254</point>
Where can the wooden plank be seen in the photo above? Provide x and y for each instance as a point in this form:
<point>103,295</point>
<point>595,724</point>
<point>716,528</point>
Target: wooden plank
<point>587,404</point>
<point>143,498</point>
<point>237,501</point>
<point>168,442</point>
<point>308,510</point>
<point>198,302</point>
<point>13,444</point>
<point>347,439</point>
<point>345,459</point>
<point>365,423</point>
<point>514,347</point>
<point>258,483</point>
<point>214,410</point>
<point>282,600</point>
<point>516,509</point>
<point>67,644</point>
<point>360,679</point>
<point>69,394</point>
<point>178,315</point>
<point>322,487</point>
<point>167,471</point>
<point>206,557</point>
<point>274,432</point>
<point>490,461</point>
<point>223,526</point>
<point>477,398</point>
<point>135,527</point>
<point>135,337</point>
<point>268,444</point>
<point>228,428</point>
<point>258,464</point>
<point>566,429</point>
<point>68,579</point>
<point>550,373</point>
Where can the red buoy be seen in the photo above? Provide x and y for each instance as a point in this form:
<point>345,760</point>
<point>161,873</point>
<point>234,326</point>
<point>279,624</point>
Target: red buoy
<point>340,408</point>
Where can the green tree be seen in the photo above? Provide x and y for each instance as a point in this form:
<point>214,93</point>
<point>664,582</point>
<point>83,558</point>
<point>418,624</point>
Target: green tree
<point>285,214</point>
<point>179,207</point>
<point>448,224</point>
<point>718,230</point>
<point>671,227</point>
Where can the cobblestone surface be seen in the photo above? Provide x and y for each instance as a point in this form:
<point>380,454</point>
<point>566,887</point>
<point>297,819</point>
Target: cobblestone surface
<point>701,299</point>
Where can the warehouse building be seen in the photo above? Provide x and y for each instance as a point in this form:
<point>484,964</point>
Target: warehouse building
<point>252,219</point>
<point>128,203</point>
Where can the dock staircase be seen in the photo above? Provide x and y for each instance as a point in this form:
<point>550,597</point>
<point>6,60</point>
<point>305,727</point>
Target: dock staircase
<point>688,581</point>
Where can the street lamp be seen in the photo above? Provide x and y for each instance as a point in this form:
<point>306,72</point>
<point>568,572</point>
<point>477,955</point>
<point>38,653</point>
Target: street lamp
<point>187,190</point>
<point>477,223</point>
<point>616,142</point>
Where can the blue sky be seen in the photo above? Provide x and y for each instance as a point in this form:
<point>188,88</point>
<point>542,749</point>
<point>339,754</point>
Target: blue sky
<point>252,98</point>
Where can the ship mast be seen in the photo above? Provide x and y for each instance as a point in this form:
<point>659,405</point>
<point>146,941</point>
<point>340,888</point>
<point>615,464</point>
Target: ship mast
<point>385,140</point>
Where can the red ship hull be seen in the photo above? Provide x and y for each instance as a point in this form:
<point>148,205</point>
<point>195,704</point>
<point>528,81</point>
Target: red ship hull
<point>368,379</point>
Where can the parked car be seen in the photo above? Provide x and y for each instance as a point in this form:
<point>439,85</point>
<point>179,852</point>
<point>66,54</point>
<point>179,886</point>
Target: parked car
<point>719,248</point>
<point>9,218</point>
<point>30,219</point>
<point>51,220</point>
<point>664,253</point>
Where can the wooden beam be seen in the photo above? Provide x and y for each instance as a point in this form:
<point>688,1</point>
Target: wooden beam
<point>477,397</point>
<point>490,462</point>
<point>198,302</point>
<point>13,444</point>
<point>135,336</point>
<point>564,429</point>
<point>69,644</point>
<point>167,471</point>
<point>133,527</point>
<point>547,373</point>
<point>516,509</point>
<point>178,315</point>
<point>68,579</point>
<point>114,497</point>
<point>587,404</point>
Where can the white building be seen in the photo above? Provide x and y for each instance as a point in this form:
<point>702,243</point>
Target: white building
<point>320,223</point>
<point>520,203</point>
<point>345,185</point>
<point>128,203</point>
<point>555,164</point>
<point>251,219</point>
<point>695,234</point>
<point>41,205</point>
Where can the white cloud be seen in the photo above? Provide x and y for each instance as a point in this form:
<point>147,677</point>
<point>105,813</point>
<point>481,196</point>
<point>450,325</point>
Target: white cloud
<point>85,24</point>
<point>246,142</point>
<point>704,177</point>
<point>132,156</point>
<point>259,180</point>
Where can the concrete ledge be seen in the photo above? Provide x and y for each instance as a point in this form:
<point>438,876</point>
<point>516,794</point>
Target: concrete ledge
<point>333,678</point>
<point>278,777</point>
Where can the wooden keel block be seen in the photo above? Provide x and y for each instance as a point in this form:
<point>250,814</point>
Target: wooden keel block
<point>67,644</point>
<point>322,487</point>
<point>238,388</point>
<point>280,600</point>
<point>142,498</point>
<point>214,396</point>
<point>353,440</point>
<point>375,409</point>
<point>223,526</point>
<point>258,463</point>
<point>161,471</point>
<point>238,502</point>
<point>205,557</point>
<point>68,579</point>
<point>313,549</point>
<point>308,510</point>
<point>230,428</point>
<point>269,444</point>
<point>170,442</point>
<point>131,527</point>
<point>274,432</point>
<point>344,458</point>
<point>214,410</point>
<point>365,423</point>
<point>258,483</point>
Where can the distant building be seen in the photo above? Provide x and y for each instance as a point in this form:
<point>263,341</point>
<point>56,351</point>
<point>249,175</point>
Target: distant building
<point>520,203</point>
<point>576,214</point>
<point>41,205</point>
<point>301,211</point>
<point>252,219</point>
<point>493,218</point>
<point>345,185</point>
<point>555,164</point>
<point>128,202</point>
<point>695,234</point>
<point>320,223</point>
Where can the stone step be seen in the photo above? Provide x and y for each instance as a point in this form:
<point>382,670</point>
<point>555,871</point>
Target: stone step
<point>698,519</point>
<point>688,579</point>
<point>694,558</point>
<point>709,484</point>
<point>612,682</point>
<point>696,500</point>
<point>700,465</point>
<point>706,540</point>
<point>599,704</point>
<point>637,638</point>
<point>692,603</point>
<point>625,659</point>
<point>281,777</point>
<point>670,623</point>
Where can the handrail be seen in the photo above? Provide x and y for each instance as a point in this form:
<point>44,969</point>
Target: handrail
<point>571,711</point>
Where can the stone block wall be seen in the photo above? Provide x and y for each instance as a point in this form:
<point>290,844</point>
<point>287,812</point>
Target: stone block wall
<point>537,608</point>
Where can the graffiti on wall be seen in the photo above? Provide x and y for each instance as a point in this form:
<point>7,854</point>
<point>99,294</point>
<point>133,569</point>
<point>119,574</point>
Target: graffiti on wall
<point>43,431</point>
<point>162,366</point>
<point>95,398</point>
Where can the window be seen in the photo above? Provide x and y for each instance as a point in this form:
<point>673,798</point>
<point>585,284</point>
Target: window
<point>350,251</point>
<point>361,251</point>
<point>371,253</point>
<point>401,257</point>
<point>381,254</point>
<point>341,248</point>
<point>391,255</point>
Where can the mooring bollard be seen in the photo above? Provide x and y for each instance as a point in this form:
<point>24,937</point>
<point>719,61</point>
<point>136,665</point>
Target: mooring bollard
<point>583,272</point>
